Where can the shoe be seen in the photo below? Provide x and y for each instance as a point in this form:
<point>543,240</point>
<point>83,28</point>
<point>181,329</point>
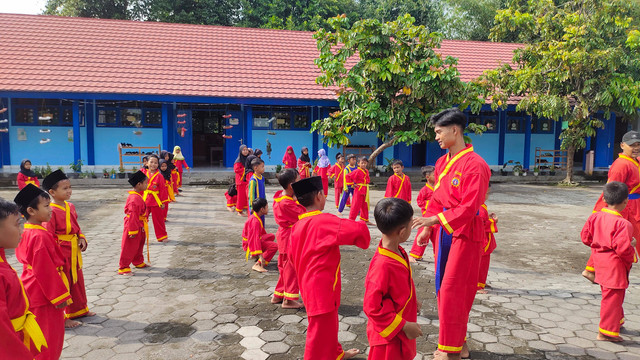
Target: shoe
<point>3,121</point>
<point>5,130</point>
<point>45,131</point>
<point>4,109</point>
<point>44,118</point>
<point>137,132</point>
<point>44,141</point>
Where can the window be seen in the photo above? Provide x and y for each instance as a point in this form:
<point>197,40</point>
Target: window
<point>131,117</point>
<point>107,117</point>
<point>261,120</point>
<point>24,116</point>
<point>541,125</point>
<point>301,121</point>
<point>153,117</point>
<point>515,122</point>
<point>486,118</point>
<point>48,116</point>
<point>282,120</point>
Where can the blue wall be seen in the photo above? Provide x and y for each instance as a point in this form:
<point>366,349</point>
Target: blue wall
<point>544,142</point>
<point>485,146</point>
<point>59,151</point>
<point>513,148</point>
<point>107,140</point>
<point>279,143</point>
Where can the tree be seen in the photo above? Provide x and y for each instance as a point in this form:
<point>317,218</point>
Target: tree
<point>425,12</point>
<point>202,12</point>
<point>292,14</point>
<point>582,59</point>
<point>471,19</point>
<point>389,79</point>
<point>104,9</point>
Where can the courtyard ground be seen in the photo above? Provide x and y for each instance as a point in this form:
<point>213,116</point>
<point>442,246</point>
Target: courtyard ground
<point>201,301</point>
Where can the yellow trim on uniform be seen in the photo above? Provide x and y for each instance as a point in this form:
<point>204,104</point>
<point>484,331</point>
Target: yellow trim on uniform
<point>340,356</point>
<point>454,349</point>
<point>335,282</point>
<point>609,211</point>
<point>34,226</point>
<point>283,197</point>
<point>398,319</point>
<point>401,183</point>
<point>72,239</point>
<point>77,313</point>
<point>609,333</point>
<point>124,271</point>
<point>57,300</point>
<point>415,256</point>
<point>621,321</point>
<point>293,296</point>
<point>590,269</point>
<point>481,285</point>
<point>394,256</point>
<point>394,325</point>
<point>308,214</point>
<point>632,191</point>
<point>445,223</point>
<point>450,164</point>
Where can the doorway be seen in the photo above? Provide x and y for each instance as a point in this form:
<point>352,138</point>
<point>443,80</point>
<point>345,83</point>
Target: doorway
<point>208,143</point>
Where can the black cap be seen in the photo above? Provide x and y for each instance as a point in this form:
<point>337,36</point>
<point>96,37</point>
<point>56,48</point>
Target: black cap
<point>137,177</point>
<point>631,138</point>
<point>307,185</point>
<point>52,179</point>
<point>26,195</point>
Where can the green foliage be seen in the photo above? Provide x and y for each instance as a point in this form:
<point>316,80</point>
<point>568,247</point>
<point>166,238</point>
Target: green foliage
<point>472,19</point>
<point>278,168</point>
<point>425,12</point>
<point>389,79</point>
<point>582,59</point>
<point>389,167</point>
<point>77,166</point>
<point>47,170</point>
<point>292,14</point>
<point>104,9</point>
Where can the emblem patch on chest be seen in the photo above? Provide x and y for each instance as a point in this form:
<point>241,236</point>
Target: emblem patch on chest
<point>455,182</point>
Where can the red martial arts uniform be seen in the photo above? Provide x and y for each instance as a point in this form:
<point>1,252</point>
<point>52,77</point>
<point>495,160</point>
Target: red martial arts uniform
<point>286,212</point>
<point>179,166</point>
<point>289,160</point>
<point>315,252</point>
<point>231,200</point>
<point>337,173</point>
<point>256,241</point>
<point>399,187</point>
<point>303,169</point>
<point>360,205</point>
<point>488,245</point>
<point>155,197</point>
<point>424,196</point>
<point>24,180</point>
<point>169,197</point>
<point>609,236</point>
<point>458,194</point>
<point>64,226</point>
<point>46,285</point>
<point>324,175</point>
<point>135,223</point>
<point>626,170</point>
<point>175,181</point>
<point>241,187</point>
<point>390,302</point>
<point>16,321</point>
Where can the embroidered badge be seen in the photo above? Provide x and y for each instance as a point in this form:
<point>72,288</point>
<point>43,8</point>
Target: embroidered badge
<point>455,182</point>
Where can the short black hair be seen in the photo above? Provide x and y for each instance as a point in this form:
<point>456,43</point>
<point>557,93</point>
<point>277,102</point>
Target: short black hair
<point>287,177</point>
<point>146,157</point>
<point>306,200</point>
<point>255,162</point>
<point>392,213</point>
<point>258,204</point>
<point>426,170</point>
<point>363,158</point>
<point>397,162</point>
<point>8,208</point>
<point>257,152</point>
<point>154,156</point>
<point>338,155</point>
<point>615,192</point>
<point>450,117</point>
<point>351,156</point>
<point>33,204</point>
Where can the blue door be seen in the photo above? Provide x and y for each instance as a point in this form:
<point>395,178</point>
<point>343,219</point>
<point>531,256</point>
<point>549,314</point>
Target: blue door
<point>233,136</point>
<point>183,134</point>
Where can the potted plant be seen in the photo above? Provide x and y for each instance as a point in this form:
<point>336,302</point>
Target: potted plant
<point>278,169</point>
<point>517,169</point>
<point>46,171</point>
<point>38,172</point>
<point>105,173</point>
<point>536,171</point>
<point>133,171</point>
<point>552,171</point>
<point>92,174</point>
<point>77,169</point>
<point>504,171</point>
<point>112,173</point>
<point>120,172</point>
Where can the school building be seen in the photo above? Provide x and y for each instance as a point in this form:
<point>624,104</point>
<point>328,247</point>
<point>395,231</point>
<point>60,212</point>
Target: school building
<point>76,88</point>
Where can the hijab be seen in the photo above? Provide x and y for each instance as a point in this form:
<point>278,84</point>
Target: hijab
<point>177,155</point>
<point>170,165</point>
<point>165,173</point>
<point>242,159</point>
<point>303,157</point>
<point>257,152</point>
<point>24,171</point>
<point>247,164</point>
<point>323,162</point>
<point>289,159</point>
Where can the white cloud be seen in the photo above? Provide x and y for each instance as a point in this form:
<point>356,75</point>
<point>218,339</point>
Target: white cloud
<point>22,6</point>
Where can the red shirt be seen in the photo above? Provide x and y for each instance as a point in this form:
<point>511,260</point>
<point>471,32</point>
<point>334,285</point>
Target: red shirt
<point>490,228</point>
<point>390,299</point>
<point>156,192</point>
<point>13,304</point>
<point>23,180</point>
<point>336,173</point>
<point>252,235</point>
<point>423,197</point>
<point>64,220</point>
<point>360,180</point>
<point>134,209</point>
<point>399,187</point>
<point>459,192</point>
<point>42,274</point>
<point>303,169</point>
<point>238,169</point>
<point>180,164</point>
<point>315,252</point>
<point>322,172</point>
<point>626,170</point>
<point>286,212</point>
<point>609,236</point>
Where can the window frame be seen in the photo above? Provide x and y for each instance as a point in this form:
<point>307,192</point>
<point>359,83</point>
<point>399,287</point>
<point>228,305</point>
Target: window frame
<point>36,106</point>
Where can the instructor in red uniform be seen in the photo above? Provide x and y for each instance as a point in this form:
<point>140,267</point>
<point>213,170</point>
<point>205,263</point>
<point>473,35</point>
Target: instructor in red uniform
<point>461,186</point>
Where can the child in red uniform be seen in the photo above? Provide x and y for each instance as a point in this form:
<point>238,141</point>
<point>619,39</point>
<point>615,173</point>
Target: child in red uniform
<point>286,211</point>
<point>315,252</point>
<point>232,197</point>
<point>612,250</point>
<point>289,159</point>
<point>16,321</point>
<point>322,170</point>
<point>180,163</point>
<point>399,184</point>
<point>154,198</point>
<point>43,276</point>
<point>488,245</point>
<point>26,175</point>
<point>64,226</point>
<point>390,296</point>
<point>168,196</point>
<point>136,229</point>
<point>241,181</point>
<point>360,180</point>
<point>337,174</point>
<point>304,163</point>
<point>423,200</point>
<point>255,240</point>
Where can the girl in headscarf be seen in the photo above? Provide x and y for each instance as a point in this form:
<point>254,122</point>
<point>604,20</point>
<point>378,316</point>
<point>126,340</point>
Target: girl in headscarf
<point>322,170</point>
<point>304,163</point>
<point>26,175</point>
<point>248,170</point>
<point>258,153</point>
<point>289,159</point>
<point>180,162</point>
<point>241,182</point>
<point>169,195</point>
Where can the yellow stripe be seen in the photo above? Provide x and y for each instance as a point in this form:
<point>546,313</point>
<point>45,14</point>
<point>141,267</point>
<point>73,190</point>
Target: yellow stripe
<point>481,285</point>
<point>590,269</point>
<point>340,356</point>
<point>450,164</point>
<point>57,300</point>
<point>260,220</point>
<point>124,271</point>
<point>609,211</point>
<point>445,223</point>
<point>632,191</point>
<point>415,256</point>
<point>335,282</point>
<point>283,198</point>
<point>278,294</point>
<point>401,183</point>
<point>493,226</point>
<point>289,295</point>
<point>607,332</point>
<point>77,313</point>
<point>449,348</point>
<point>394,256</point>
<point>488,243</point>
<point>394,325</point>
<point>308,214</point>
<point>621,321</point>
<point>34,226</point>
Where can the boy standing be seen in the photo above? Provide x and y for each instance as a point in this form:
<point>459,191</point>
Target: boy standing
<point>390,295</point>
<point>315,252</point>
<point>256,182</point>
<point>153,195</point>
<point>286,211</point>
<point>360,180</point>
<point>612,250</point>
<point>64,226</point>
<point>399,184</point>
<point>136,228</point>
<point>17,323</point>
<point>348,184</point>
<point>43,276</point>
<point>424,196</point>
<point>336,173</point>
<point>255,240</point>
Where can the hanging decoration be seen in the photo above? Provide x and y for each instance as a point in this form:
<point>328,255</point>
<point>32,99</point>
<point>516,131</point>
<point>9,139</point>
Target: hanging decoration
<point>44,141</point>
<point>268,148</point>
<point>227,136</point>
<point>45,131</point>
<point>45,118</point>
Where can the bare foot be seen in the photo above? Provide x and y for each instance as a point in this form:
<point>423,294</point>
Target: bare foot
<point>276,300</point>
<point>239,213</point>
<point>230,209</point>
<point>89,314</point>
<point>412,259</point>
<point>70,324</point>
<point>482,291</point>
<point>292,304</point>
<point>465,351</point>
<point>603,337</point>
<point>350,353</point>
<point>589,276</point>
<point>488,286</point>
<point>439,355</point>
<point>126,274</point>
<point>258,267</point>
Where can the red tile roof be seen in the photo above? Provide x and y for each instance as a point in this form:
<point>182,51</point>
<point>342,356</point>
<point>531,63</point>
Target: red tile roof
<point>63,54</point>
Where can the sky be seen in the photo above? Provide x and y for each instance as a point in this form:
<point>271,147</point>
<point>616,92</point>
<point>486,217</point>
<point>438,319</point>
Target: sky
<point>22,6</point>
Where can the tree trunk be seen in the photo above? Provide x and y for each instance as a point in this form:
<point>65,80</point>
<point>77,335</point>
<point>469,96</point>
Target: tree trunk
<point>379,151</point>
<point>571,151</point>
